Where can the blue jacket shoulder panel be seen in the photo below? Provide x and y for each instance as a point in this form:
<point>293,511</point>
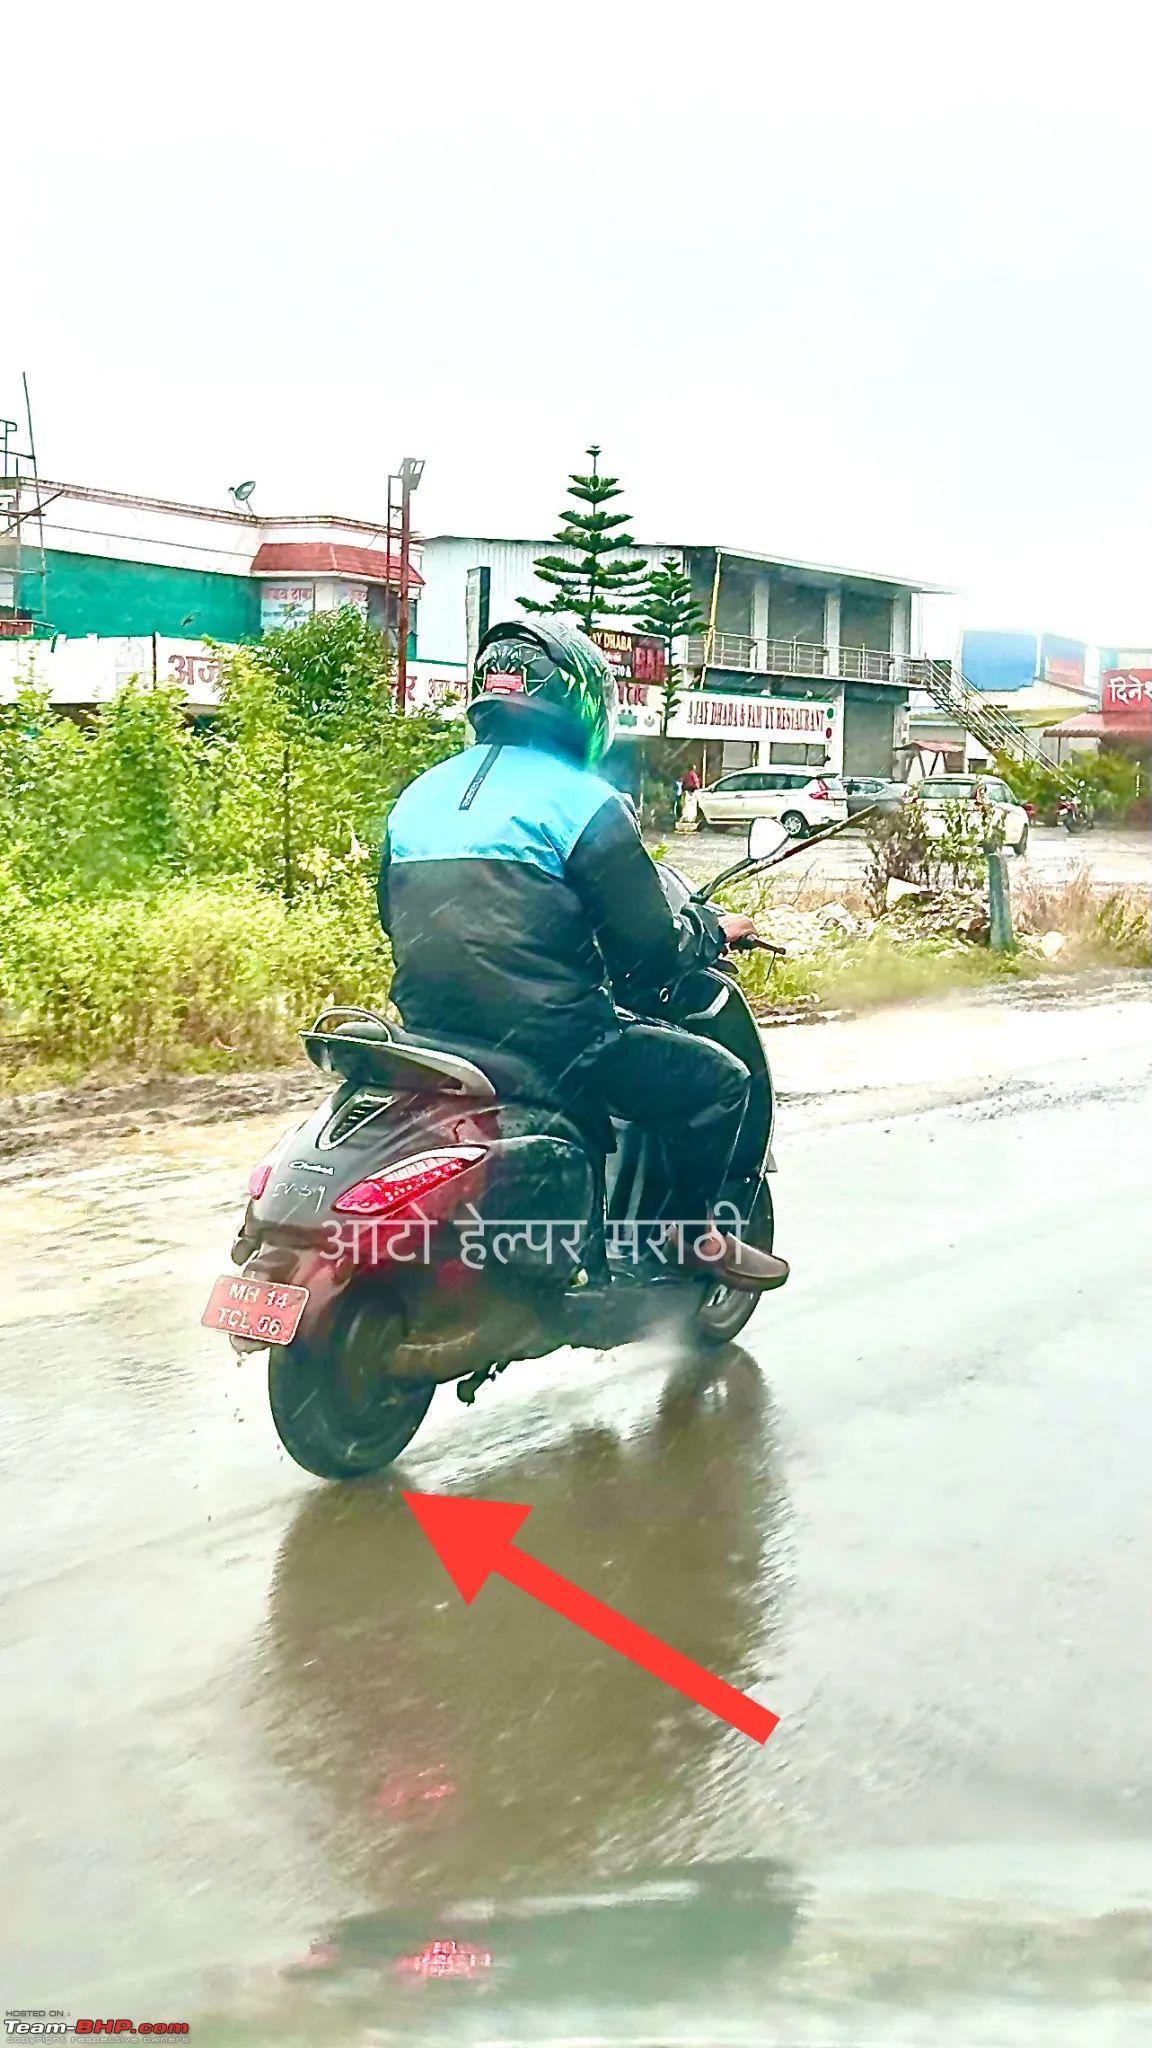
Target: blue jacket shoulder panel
<point>531,807</point>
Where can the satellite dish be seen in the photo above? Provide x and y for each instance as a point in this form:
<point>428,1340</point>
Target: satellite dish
<point>240,493</point>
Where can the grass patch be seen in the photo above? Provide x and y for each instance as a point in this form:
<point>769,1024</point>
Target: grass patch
<point>191,979</point>
<point>864,973</point>
<point>206,978</point>
<point>887,960</point>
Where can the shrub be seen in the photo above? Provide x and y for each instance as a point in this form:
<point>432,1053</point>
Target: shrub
<point>190,975</point>
<point>1098,926</point>
<point>900,849</point>
<point>1111,784</point>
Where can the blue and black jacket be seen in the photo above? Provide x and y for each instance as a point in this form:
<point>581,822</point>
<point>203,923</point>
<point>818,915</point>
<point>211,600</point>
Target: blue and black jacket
<point>515,889</point>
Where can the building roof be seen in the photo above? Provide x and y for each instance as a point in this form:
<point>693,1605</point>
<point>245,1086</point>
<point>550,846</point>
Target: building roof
<point>97,495</point>
<point>329,558</point>
<point>824,572</point>
<point>1092,725</point>
<point>814,572</point>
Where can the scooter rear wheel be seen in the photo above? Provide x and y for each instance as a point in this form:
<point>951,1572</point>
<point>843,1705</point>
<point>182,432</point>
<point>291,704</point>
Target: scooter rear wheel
<point>336,1411</point>
<point>724,1311</point>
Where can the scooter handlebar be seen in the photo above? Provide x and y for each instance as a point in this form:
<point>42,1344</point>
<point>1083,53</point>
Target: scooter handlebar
<point>754,944</point>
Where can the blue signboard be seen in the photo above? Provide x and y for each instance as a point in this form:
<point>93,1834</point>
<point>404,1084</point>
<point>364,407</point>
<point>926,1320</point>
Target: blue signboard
<point>1000,661</point>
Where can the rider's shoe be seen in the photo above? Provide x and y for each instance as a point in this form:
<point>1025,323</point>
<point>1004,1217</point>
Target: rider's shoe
<point>736,1263</point>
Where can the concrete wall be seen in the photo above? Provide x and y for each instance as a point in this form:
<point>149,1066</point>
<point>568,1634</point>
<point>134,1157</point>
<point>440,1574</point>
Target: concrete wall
<point>866,620</point>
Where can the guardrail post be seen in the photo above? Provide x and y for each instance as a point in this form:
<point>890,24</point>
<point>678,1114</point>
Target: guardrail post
<point>1001,936</point>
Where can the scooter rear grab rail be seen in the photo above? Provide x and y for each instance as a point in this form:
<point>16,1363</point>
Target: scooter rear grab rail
<point>372,1055</point>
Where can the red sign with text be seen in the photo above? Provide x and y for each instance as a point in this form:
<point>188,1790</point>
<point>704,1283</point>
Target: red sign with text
<point>634,657</point>
<point>1126,695</point>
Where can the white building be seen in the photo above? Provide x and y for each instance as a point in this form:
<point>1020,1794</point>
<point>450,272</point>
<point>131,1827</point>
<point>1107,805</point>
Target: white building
<point>779,631</point>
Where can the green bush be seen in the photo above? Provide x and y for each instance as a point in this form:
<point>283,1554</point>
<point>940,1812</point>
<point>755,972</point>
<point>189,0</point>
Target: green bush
<point>192,975</point>
<point>1111,784</point>
<point>900,848</point>
<point>294,778</point>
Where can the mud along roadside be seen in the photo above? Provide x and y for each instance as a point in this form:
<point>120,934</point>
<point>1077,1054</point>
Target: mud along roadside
<point>829,1067</point>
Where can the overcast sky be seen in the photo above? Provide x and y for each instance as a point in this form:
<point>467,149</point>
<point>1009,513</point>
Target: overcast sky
<point>866,284</point>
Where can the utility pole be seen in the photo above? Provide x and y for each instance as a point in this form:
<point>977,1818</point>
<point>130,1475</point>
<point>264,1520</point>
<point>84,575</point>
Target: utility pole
<point>411,471</point>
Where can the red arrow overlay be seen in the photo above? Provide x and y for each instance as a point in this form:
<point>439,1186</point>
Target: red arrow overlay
<point>473,1538</point>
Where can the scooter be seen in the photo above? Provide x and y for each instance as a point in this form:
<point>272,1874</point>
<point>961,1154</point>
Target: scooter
<point>442,1214</point>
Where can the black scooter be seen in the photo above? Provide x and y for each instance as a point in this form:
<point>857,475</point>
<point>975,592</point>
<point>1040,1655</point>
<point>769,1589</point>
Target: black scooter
<point>441,1215</point>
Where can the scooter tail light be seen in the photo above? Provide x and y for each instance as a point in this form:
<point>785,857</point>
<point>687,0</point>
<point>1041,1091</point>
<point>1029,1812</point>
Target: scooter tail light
<point>258,1179</point>
<point>406,1181</point>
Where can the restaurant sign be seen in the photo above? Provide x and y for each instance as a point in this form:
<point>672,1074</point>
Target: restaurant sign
<point>634,657</point>
<point>1126,694</point>
<point>714,715</point>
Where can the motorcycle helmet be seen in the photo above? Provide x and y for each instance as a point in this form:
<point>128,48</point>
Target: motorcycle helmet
<point>543,685</point>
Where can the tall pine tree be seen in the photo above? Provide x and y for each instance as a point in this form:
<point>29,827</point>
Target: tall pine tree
<point>598,584</point>
<point>668,610</point>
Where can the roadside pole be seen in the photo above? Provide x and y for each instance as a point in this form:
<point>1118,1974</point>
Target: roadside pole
<point>408,477</point>
<point>1001,937</point>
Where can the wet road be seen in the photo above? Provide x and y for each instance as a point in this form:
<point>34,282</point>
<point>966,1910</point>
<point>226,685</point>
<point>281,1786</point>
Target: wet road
<point>258,1759</point>
<point>1114,856</point>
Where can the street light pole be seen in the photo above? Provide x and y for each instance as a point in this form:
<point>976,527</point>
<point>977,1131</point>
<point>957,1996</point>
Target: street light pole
<point>411,470</point>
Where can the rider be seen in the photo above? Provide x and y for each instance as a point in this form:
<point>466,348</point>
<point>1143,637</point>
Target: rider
<point>515,887</point>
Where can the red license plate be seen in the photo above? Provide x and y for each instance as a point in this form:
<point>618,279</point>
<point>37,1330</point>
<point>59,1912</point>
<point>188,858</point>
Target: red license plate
<point>264,1310</point>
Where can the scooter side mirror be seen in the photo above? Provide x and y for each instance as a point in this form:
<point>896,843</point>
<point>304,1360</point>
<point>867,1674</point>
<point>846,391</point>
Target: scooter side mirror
<point>765,837</point>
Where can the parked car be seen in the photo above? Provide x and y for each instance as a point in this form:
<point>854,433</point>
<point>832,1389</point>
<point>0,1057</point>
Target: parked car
<point>873,793</point>
<point>803,802</point>
<point>937,790</point>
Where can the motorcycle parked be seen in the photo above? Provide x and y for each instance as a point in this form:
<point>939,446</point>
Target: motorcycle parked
<point>1074,814</point>
<point>442,1214</point>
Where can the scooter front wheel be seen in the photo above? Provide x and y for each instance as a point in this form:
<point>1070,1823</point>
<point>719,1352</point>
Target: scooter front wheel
<point>337,1411</point>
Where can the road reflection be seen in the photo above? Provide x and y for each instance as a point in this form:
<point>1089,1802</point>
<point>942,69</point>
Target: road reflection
<point>516,1802</point>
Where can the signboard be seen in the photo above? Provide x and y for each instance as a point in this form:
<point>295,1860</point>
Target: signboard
<point>284,604</point>
<point>712,715</point>
<point>1126,695</point>
<point>705,714</point>
<point>1062,661</point>
<point>634,657</point>
<point>477,600</point>
<point>430,692</point>
<point>196,668</point>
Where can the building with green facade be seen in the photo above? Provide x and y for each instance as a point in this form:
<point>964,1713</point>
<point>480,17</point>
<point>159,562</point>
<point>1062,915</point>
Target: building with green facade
<point>107,584</point>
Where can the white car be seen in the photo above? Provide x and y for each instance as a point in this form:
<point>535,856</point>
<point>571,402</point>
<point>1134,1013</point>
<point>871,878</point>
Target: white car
<point>937,790</point>
<point>802,801</point>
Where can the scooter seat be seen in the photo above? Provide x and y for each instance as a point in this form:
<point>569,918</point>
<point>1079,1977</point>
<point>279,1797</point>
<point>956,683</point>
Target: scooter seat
<point>513,1078</point>
<point>366,1048</point>
<point>517,1080</point>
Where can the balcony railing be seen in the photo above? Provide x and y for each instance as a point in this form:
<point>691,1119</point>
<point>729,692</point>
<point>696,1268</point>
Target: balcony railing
<point>797,658</point>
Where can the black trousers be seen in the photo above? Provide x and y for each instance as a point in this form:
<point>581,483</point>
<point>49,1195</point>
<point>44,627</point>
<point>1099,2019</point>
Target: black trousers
<point>690,1093</point>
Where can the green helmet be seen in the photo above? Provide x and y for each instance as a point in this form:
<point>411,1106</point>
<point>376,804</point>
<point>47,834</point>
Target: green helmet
<point>543,685</point>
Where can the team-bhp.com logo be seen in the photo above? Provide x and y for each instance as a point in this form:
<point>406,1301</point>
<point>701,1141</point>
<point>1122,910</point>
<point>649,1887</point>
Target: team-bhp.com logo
<point>51,2021</point>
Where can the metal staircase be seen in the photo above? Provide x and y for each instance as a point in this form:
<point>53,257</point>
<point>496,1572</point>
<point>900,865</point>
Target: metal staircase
<point>988,723</point>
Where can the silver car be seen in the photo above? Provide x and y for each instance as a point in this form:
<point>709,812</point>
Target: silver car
<point>804,801</point>
<point>937,790</point>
